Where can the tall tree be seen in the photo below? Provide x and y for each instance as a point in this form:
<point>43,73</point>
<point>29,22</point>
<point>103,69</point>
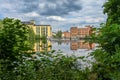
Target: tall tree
<point>13,39</point>
<point>112,9</point>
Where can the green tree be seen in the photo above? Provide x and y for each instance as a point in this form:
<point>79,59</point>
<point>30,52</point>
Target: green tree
<point>59,34</point>
<point>31,37</point>
<point>13,39</point>
<point>107,57</point>
<point>112,9</point>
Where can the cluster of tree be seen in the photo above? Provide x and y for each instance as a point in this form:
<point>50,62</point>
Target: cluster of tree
<point>58,35</point>
<point>107,64</point>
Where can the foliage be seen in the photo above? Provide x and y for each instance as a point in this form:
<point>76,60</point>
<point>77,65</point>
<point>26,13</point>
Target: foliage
<point>112,8</point>
<point>44,39</point>
<point>109,38</point>
<point>107,64</point>
<point>15,65</point>
<point>58,67</point>
<point>47,67</point>
<point>106,67</point>
<point>14,43</point>
<point>13,39</point>
<point>31,37</point>
<point>58,34</point>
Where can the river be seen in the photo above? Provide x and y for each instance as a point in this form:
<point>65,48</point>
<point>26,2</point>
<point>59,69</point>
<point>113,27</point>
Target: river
<point>67,47</point>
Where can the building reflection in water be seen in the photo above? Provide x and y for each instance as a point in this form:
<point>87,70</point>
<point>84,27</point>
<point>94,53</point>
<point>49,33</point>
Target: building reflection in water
<point>74,45</point>
<point>41,47</point>
<point>81,44</point>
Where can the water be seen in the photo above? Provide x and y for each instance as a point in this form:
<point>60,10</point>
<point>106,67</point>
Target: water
<point>67,47</point>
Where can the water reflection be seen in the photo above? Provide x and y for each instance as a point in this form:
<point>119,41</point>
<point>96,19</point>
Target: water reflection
<point>81,44</point>
<point>39,46</point>
<point>67,46</point>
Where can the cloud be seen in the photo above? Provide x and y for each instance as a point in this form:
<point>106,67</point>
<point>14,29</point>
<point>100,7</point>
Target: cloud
<point>56,18</point>
<point>59,8</point>
<point>32,14</point>
<point>57,13</point>
<point>46,7</point>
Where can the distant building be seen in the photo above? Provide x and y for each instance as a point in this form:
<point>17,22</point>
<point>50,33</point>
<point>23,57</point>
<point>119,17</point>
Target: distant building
<point>80,32</point>
<point>66,35</point>
<point>73,32</point>
<point>44,30</point>
<point>41,30</point>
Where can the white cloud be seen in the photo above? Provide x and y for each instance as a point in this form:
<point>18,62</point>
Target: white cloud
<point>56,18</point>
<point>41,5</point>
<point>32,14</point>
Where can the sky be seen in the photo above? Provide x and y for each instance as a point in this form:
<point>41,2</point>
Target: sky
<point>60,14</point>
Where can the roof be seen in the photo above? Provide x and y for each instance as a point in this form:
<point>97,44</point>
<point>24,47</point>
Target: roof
<point>42,25</point>
<point>27,22</point>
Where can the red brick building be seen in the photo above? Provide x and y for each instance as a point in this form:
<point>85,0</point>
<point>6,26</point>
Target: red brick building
<point>66,35</point>
<point>80,32</point>
<point>73,32</point>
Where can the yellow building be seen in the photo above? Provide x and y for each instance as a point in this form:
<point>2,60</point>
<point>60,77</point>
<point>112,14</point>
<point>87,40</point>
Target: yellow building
<point>41,30</point>
<point>44,30</point>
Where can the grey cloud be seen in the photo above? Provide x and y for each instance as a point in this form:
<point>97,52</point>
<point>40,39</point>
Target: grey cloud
<point>69,9</point>
<point>62,9</point>
<point>52,7</point>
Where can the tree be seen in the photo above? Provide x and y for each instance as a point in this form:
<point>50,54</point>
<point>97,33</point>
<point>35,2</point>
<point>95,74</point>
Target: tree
<point>112,9</point>
<point>59,34</point>
<point>13,39</point>
<point>108,56</point>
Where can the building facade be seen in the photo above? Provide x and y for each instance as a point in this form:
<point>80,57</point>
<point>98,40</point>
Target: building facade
<point>66,35</point>
<point>80,32</point>
<point>73,32</point>
<point>44,30</point>
<point>40,30</point>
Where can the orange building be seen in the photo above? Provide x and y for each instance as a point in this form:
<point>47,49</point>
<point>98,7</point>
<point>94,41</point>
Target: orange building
<point>66,35</point>
<point>80,32</point>
<point>73,32</point>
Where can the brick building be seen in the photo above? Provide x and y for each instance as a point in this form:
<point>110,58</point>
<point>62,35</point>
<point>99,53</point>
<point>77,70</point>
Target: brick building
<point>73,32</point>
<point>66,35</point>
<point>80,32</point>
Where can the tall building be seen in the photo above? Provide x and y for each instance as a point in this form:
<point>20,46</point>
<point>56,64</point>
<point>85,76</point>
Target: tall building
<point>44,30</point>
<point>41,30</point>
